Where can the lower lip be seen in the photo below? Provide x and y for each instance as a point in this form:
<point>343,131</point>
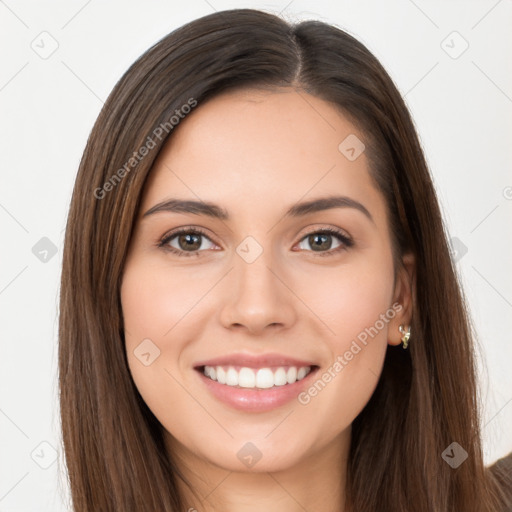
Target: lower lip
<point>257,400</point>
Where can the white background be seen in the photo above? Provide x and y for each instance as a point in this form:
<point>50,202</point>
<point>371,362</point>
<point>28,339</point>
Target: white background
<point>462,108</point>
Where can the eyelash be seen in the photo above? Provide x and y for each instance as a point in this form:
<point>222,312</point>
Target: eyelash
<point>346,242</point>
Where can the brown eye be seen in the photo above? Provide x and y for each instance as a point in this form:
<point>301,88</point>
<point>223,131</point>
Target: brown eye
<point>185,242</point>
<point>189,241</point>
<point>321,241</point>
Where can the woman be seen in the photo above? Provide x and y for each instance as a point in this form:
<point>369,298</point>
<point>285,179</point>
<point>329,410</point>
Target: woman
<point>258,305</point>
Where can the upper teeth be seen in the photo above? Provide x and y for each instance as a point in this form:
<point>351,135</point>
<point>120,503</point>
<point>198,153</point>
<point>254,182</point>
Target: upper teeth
<point>262,378</point>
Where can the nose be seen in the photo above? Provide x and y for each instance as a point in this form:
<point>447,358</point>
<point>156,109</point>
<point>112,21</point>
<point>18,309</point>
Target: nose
<point>257,296</point>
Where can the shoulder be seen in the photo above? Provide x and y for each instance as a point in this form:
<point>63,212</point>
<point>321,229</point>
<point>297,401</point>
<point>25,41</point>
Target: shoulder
<point>501,473</point>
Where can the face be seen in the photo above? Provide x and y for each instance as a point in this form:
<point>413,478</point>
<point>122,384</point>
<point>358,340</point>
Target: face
<point>266,288</point>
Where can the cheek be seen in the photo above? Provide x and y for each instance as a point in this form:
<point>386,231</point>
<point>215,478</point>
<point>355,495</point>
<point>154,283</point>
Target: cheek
<point>354,301</point>
<point>155,299</point>
<point>155,304</point>
<point>350,298</point>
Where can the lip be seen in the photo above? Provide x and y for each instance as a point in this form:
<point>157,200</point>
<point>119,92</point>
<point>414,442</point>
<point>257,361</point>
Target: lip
<point>257,400</point>
<point>255,361</point>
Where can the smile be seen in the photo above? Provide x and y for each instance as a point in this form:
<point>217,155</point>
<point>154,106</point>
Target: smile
<point>256,390</point>
<point>252,378</point>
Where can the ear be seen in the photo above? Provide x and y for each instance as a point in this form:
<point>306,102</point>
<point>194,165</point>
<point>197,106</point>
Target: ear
<point>403,294</point>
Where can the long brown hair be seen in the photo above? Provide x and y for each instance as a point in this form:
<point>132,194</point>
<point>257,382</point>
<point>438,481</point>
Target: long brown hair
<point>426,398</point>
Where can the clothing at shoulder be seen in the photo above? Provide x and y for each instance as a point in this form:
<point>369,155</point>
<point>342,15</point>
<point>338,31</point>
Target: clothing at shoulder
<point>501,470</point>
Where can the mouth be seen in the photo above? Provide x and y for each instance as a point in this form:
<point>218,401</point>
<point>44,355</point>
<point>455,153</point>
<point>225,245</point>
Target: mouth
<point>256,390</point>
<point>243,377</point>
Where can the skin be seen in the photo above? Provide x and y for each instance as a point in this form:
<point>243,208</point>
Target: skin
<point>256,153</point>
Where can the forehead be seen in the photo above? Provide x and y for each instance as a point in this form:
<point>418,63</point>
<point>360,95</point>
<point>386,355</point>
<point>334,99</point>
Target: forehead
<point>255,149</point>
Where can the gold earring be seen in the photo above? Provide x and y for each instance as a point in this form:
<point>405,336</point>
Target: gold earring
<point>405,335</point>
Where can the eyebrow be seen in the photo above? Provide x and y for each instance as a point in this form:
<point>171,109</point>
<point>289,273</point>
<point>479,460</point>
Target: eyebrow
<point>217,212</point>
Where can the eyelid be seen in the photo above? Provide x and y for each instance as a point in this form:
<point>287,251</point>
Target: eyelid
<point>325,229</point>
<point>346,241</point>
<point>162,243</point>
